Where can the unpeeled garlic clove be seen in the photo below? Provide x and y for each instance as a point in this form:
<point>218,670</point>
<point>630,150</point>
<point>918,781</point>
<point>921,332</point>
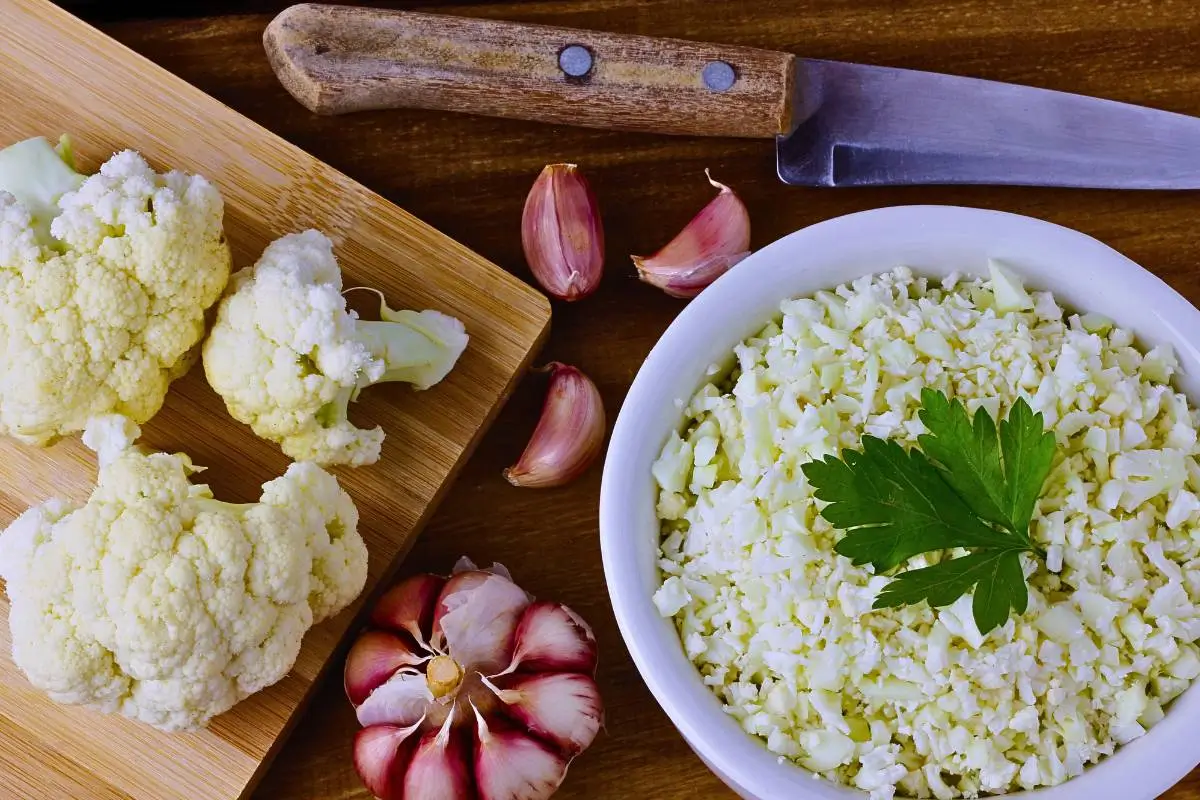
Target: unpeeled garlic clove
<point>551,636</point>
<point>568,437</point>
<point>562,233</point>
<point>381,754</point>
<point>438,769</point>
<point>375,658</point>
<point>511,764</point>
<point>402,699</point>
<point>467,597</point>
<point>409,605</point>
<point>717,238</point>
<point>562,708</point>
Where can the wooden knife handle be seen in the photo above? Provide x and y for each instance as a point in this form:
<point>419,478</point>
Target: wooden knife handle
<point>337,59</point>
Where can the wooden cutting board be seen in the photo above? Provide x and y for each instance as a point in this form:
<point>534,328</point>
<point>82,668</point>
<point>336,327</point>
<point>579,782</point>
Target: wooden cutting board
<point>59,75</point>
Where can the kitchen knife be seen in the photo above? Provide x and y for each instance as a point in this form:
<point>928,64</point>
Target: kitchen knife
<point>835,124</point>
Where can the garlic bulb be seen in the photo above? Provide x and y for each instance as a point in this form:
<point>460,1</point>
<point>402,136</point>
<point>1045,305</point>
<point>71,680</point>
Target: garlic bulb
<point>469,690</point>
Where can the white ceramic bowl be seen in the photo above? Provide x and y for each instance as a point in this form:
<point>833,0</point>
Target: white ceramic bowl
<point>933,240</point>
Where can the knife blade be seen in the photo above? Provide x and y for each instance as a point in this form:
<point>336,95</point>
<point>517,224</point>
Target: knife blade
<point>835,124</point>
<point>875,126</point>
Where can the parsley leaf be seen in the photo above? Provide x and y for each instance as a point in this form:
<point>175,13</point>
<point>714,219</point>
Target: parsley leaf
<point>972,485</point>
<point>894,505</point>
<point>999,476</point>
<point>1028,455</point>
<point>995,575</point>
<point>969,454</point>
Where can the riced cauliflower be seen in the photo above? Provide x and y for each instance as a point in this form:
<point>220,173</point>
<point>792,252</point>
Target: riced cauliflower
<point>155,601</point>
<point>913,701</point>
<point>104,281</point>
<point>288,358</point>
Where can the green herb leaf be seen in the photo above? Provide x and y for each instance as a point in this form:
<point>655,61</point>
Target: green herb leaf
<point>1028,455</point>
<point>969,454</point>
<point>999,477</point>
<point>973,485</point>
<point>995,575</point>
<point>894,504</point>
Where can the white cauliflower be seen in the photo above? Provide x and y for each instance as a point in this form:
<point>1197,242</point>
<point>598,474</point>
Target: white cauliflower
<point>104,282</point>
<point>288,357</point>
<point>155,601</point>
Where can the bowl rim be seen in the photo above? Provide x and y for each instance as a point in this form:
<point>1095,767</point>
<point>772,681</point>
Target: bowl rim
<point>1137,770</point>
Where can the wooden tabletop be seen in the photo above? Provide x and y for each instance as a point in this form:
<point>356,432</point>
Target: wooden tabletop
<point>469,176</point>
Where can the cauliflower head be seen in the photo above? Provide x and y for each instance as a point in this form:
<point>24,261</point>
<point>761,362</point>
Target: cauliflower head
<point>287,356</point>
<point>155,601</point>
<point>104,282</point>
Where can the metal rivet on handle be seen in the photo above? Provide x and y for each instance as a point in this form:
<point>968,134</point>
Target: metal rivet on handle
<point>719,76</point>
<point>575,60</point>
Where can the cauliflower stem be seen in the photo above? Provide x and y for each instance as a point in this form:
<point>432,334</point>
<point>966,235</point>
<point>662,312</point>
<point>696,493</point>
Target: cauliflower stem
<point>37,174</point>
<point>415,347</point>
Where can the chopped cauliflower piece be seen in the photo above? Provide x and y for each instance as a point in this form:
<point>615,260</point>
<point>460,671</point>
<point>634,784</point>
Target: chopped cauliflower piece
<point>914,701</point>
<point>1010,294</point>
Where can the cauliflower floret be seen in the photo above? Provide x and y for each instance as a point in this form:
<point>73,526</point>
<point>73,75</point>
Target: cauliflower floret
<point>287,357</point>
<point>158,602</point>
<point>104,282</point>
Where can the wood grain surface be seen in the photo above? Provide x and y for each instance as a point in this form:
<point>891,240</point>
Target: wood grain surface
<point>58,74</point>
<point>468,177</point>
<point>338,59</point>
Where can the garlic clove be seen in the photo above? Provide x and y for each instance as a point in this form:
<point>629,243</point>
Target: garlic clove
<point>688,282</point>
<point>439,767</point>
<point>510,765</point>
<point>381,757</point>
<point>552,637</point>
<point>401,700</point>
<point>568,437</point>
<point>373,659</point>
<point>408,606</point>
<point>716,238</point>
<point>560,707</point>
<point>475,619</point>
<point>562,234</point>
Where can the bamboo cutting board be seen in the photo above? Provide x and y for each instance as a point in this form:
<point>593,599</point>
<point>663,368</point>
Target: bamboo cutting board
<point>59,75</point>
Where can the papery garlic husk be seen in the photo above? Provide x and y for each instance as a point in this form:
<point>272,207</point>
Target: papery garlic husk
<point>472,607</point>
<point>717,238</point>
<point>568,437</point>
<point>499,700</point>
<point>562,234</point>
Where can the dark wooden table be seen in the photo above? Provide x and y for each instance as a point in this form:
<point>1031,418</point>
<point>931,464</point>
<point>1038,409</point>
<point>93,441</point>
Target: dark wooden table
<point>468,177</point>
